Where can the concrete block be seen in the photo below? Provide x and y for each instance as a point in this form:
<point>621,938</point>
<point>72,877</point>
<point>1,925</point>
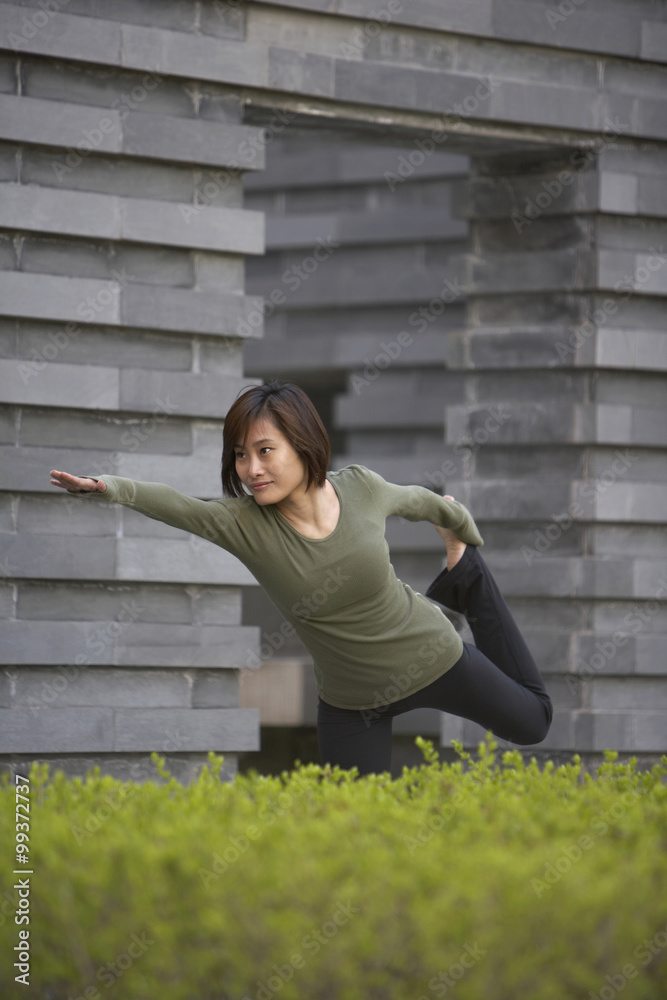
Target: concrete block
<point>215,689</point>
<point>83,386</point>
<point>302,72</point>
<point>45,516</point>
<point>38,342</point>
<point>52,123</point>
<point>629,694</point>
<point>652,197</point>
<point>224,229</point>
<point>223,20</point>
<point>653,40</point>
<point>99,216</point>
<point>223,357</point>
<point>651,654</point>
<point>49,297</point>
<point>199,395</point>
<point>427,50</point>
<point>630,731</point>
<point>177,53</point>
<point>192,561</point>
<point>63,36</point>
<point>465,16</point>
<point>99,686</point>
<point>8,430</point>
<point>638,349</point>
<point>60,557</point>
<point>5,697</point>
<point>148,644</point>
<point>578,28</point>
<point>76,601</point>
<point>189,730</point>
<point>8,81</point>
<point>180,309</point>
<point>135,767</point>
<point>216,605</point>
<point>175,14</point>
<point>60,730</point>
<point>643,502</point>
<point>133,435</point>
<point>566,107</point>
<point>406,87</point>
<point>112,175</point>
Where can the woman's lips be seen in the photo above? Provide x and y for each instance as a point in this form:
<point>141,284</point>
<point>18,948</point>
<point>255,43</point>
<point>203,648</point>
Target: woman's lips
<point>257,487</point>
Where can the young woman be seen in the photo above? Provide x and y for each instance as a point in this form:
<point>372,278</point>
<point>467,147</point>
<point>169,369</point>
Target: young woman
<point>315,541</point>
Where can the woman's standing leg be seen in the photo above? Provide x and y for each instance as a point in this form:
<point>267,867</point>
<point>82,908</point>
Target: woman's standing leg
<point>353,738</point>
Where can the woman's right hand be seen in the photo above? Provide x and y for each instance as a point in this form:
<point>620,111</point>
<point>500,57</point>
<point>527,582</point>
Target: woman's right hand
<point>75,484</point>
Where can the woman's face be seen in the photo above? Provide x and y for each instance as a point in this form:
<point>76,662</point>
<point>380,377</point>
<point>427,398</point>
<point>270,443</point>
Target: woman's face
<point>268,464</point>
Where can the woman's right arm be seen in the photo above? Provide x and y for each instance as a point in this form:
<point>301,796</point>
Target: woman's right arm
<point>211,519</point>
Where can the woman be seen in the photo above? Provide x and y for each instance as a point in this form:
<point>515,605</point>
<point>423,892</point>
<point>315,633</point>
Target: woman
<point>315,541</point>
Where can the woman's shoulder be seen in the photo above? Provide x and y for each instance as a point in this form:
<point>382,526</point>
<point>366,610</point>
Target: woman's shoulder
<point>359,475</point>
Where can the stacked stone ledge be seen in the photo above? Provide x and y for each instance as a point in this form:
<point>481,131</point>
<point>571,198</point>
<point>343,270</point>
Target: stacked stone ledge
<point>122,300</point>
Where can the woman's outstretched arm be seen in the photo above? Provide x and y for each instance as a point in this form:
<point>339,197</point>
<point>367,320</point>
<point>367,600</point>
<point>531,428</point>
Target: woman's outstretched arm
<point>214,520</point>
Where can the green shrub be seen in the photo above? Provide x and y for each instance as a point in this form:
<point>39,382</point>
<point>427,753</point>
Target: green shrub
<point>486,879</point>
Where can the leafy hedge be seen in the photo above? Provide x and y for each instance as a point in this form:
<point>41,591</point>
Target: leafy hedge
<point>487,879</point>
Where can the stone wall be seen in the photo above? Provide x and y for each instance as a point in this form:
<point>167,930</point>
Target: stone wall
<point>507,158</point>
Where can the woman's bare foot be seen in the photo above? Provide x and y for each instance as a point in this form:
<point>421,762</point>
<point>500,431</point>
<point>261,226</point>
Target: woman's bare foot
<point>455,547</point>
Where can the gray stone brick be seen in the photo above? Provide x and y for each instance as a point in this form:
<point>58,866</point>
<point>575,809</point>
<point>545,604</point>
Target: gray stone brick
<point>223,357</point>
<point>45,296</point>
<point>50,123</point>
<point>64,36</point>
<point>87,386</point>
<point>102,431</point>
<point>224,229</point>
<point>148,644</point>
<point>178,15</point>
<point>300,71</point>
<point>215,605</point>
<point>215,689</point>
<point>7,425</point>
<point>625,694</point>
<point>8,81</point>
<point>192,561</point>
<point>38,342</point>
<point>202,395</point>
<point>65,557</point>
<point>180,309</point>
<point>94,85</point>
<point>44,516</point>
<point>579,27</point>
<point>76,601</point>
<point>5,698</point>
<point>223,20</point>
<point>96,686</point>
<point>406,87</point>
<point>62,730</point>
<point>98,216</point>
<point>8,163</point>
<point>653,40</point>
<point>651,654</point>
<point>218,272</point>
<point>110,175</point>
<point>465,16</point>
<point>181,54</point>
<point>179,730</point>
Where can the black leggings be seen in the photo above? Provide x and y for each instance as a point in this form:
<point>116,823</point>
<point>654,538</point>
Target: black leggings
<point>495,683</point>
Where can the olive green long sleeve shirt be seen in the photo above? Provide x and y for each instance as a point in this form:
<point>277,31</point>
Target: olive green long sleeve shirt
<point>372,638</point>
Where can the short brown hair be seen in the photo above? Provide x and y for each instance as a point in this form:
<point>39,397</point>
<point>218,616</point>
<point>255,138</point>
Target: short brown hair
<point>292,411</point>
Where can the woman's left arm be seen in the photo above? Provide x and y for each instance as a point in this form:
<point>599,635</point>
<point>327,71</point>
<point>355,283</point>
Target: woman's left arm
<point>416,503</point>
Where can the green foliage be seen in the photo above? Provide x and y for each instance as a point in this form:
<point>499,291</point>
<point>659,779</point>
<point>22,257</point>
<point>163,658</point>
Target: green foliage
<point>487,878</point>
